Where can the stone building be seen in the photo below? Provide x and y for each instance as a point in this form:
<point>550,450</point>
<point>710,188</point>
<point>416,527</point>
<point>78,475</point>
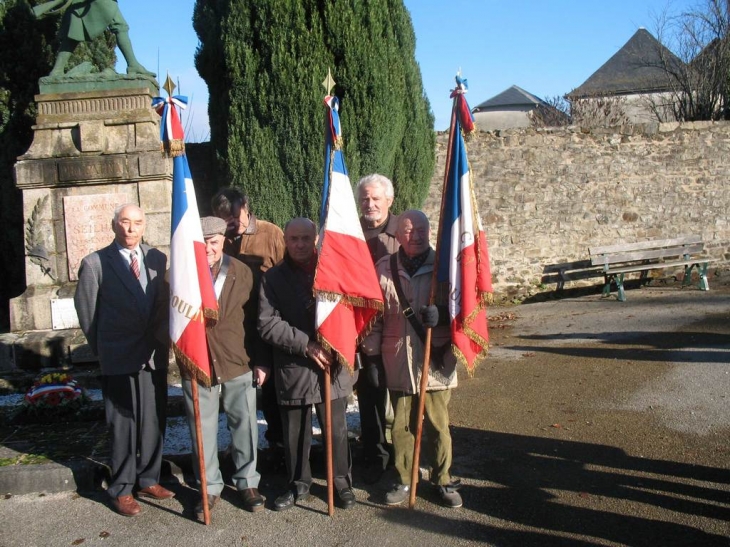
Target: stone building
<point>506,110</point>
<point>631,83</point>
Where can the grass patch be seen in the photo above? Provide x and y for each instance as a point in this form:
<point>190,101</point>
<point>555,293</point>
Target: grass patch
<point>24,459</point>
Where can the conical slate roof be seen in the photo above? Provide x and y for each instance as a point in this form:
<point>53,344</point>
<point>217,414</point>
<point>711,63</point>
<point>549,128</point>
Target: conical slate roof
<point>633,69</point>
<point>513,96</point>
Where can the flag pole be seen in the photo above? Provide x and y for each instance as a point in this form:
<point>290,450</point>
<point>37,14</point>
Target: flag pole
<point>328,443</point>
<point>201,456</point>
<point>427,343</point>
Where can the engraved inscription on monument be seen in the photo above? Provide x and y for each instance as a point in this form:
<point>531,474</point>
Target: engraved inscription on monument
<point>98,168</point>
<point>88,222</point>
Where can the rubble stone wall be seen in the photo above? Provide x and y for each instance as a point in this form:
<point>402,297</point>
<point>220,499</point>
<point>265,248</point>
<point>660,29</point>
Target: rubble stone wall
<point>547,195</point>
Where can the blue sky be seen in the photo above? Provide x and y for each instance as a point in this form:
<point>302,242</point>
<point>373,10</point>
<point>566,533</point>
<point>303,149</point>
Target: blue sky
<point>546,48</point>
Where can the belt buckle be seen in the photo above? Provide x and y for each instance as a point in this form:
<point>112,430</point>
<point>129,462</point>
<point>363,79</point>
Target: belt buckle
<point>408,312</point>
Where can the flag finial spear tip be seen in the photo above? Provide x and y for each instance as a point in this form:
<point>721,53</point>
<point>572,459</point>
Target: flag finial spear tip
<point>169,85</point>
<point>328,82</point>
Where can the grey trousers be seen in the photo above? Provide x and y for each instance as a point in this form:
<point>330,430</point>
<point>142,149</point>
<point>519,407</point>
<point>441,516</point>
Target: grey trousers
<point>239,404</point>
<point>136,408</point>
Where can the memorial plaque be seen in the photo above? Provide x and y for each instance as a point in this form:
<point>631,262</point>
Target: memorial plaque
<point>88,221</point>
<point>63,314</point>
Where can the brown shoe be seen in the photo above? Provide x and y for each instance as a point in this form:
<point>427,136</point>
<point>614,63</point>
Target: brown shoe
<point>126,506</point>
<point>252,500</point>
<point>156,492</point>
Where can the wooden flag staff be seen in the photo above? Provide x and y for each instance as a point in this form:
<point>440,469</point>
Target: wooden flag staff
<point>328,442</point>
<point>201,456</point>
<point>427,343</point>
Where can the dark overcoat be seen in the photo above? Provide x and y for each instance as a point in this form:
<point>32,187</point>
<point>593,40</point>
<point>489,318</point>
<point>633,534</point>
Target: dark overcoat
<point>286,322</point>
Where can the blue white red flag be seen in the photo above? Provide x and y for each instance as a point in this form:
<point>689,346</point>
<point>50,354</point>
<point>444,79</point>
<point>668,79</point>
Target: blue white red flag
<point>192,297</point>
<point>463,255</point>
<point>345,284</point>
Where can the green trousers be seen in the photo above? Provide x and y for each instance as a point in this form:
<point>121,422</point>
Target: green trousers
<point>436,440</point>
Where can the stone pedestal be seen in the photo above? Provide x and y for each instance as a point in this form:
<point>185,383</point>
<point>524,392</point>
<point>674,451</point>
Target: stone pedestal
<point>91,151</point>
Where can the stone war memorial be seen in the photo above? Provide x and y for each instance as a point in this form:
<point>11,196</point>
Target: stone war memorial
<point>96,145</point>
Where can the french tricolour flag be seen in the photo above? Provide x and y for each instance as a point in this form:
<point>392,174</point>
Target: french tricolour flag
<point>192,297</point>
<point>463,255</point>
<point>345,285</point>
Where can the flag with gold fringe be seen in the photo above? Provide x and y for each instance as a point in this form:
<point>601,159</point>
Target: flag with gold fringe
<point>345,285</point>
<point>192,297</point>
<point>463,255</point>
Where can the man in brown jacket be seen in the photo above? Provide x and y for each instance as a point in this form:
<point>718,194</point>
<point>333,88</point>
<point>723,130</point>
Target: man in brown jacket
<point>260,245</point>
<point>231,376</point>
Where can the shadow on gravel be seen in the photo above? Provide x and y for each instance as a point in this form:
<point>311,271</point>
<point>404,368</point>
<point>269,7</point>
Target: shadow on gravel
<point>697,347</point>
<point>582,489</point>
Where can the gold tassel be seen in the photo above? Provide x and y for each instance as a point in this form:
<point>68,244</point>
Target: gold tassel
<point>187,367</point>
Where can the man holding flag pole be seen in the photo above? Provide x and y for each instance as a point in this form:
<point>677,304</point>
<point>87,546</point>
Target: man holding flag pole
<point>340,275</point>
<point>453,330</point>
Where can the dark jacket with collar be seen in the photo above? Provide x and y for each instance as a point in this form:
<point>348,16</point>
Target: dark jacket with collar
<point>286,322</point>
<point>126,326</point>
<point>385,243</point>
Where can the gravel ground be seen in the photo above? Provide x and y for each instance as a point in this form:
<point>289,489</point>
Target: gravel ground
<point>592,422</point>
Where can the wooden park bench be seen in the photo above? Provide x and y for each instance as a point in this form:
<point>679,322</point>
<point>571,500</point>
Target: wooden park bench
<point>569,271</point>
<point>643,256</point>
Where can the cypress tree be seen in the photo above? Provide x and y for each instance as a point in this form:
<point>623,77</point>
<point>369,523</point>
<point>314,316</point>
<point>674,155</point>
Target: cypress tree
<point>264,61</point>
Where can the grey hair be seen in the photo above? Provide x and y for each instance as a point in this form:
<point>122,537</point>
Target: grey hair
<point>376,178</point>
<point>118,210</point>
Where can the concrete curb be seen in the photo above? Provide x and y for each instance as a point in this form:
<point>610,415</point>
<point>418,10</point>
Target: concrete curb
<point>77,475</point>
<point>51,478</point>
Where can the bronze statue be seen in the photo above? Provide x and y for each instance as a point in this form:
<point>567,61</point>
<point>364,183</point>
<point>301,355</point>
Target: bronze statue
<point>84,20</point>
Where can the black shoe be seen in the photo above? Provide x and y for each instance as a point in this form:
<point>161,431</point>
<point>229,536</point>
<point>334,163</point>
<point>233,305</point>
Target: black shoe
<point>252,500</point>
<point>212,500</point>
<point>285,501</point>
<point>347,498</point>
<point>372,473</point>
<point>289,498</point>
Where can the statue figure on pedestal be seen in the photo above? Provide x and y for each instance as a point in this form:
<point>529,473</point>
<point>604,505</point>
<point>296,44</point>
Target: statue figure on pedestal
<point>84,20</point>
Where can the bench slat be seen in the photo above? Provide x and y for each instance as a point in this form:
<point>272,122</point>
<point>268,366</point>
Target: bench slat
<point>649,244</point>
<point>647,254</point>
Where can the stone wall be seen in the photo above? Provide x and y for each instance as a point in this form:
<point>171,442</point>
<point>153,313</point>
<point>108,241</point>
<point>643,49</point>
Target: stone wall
<point>546,195</point>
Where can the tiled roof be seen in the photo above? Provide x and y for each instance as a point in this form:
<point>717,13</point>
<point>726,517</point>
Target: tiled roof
<point>513,96</point>
<point>633,69</point>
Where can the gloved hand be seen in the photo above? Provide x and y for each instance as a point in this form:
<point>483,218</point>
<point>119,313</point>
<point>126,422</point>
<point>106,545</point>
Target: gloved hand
<point>374,370</point>
<point>429,316</point>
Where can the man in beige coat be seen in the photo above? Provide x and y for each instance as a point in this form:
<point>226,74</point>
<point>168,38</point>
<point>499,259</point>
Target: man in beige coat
<point>397,341</point>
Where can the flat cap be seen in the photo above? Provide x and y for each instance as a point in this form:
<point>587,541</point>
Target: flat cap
<point>213,226</point>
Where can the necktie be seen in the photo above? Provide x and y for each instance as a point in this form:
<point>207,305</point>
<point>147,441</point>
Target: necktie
<point>134,265</point>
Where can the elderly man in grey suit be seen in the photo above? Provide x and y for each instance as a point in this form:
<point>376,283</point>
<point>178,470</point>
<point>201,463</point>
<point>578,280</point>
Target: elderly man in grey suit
<point>122,309</point>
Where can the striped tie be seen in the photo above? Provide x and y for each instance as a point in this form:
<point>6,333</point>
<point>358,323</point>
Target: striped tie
<point>134,265</point>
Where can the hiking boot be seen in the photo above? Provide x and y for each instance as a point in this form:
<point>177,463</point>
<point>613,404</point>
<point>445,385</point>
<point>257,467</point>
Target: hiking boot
<point>449,495</point>
<point>398,494</point>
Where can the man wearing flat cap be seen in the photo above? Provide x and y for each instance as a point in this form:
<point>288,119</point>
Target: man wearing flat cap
<point>232,342</point>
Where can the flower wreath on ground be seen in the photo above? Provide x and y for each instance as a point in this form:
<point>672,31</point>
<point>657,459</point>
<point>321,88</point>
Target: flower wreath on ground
<point>55,394</point>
